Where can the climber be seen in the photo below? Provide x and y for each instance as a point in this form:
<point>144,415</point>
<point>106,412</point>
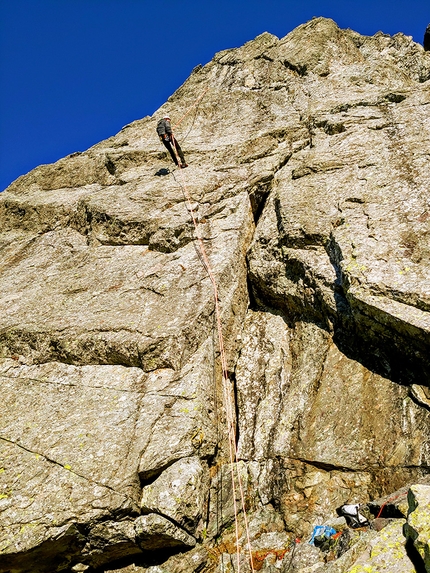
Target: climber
<point>427,39</point>
<point>164,130</point>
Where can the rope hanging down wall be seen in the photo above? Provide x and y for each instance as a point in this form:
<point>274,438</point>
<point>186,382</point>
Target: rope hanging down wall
<point>226,388</point>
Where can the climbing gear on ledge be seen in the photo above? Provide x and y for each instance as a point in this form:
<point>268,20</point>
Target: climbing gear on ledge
<point>320,534</point>
<point>352,515</point>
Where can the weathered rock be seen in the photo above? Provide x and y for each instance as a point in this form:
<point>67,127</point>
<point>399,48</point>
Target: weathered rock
<point>110,541</point>
<point>156,532</point>
<point>264,526</point>
<point>80,567</point>
<point>109,360</point>
<point>128,569</point>
<point>417,528</point>
<point>395,504</point>
<point>347,559</point>
<point>303,557</point>
<point>224,500</point>
<point>191,562</point>
<point>386,552</point>
<point>371,552</point>
<point>305,403</point>
<point>349,246</point>
<point>55,553</point>
<point>179,493</point>
<point>379,523</point>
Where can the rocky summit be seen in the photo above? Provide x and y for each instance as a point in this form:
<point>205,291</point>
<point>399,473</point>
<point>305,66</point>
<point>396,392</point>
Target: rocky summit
<point>308,180</point>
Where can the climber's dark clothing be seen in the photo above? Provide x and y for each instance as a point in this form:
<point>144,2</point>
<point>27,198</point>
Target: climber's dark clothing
<point>163,127</point>
<point>427,39</point>
<point>164,130</point>
<point>170,143</point>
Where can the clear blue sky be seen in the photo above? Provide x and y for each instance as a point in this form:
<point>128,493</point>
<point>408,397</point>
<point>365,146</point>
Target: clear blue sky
<point>73,72</point>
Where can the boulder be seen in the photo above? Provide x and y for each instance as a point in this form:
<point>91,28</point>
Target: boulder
<point>110,541</point>
<point>179,493</point>
<point>156,532</point>
<point>386,552</point>
<point>417,528</point>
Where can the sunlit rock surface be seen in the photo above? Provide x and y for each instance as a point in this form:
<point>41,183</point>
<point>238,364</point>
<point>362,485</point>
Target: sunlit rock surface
<point>308,172</point>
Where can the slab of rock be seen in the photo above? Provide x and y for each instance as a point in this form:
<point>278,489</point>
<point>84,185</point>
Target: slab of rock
<point>63,457</point>
<point>110,541</point>
<point>112,417</point>
<point>386,552</point>
<point>305,404</point>
<point>179,493</point>
<point>156,532</point>
<point>349,246</point>
<point>417,529</point>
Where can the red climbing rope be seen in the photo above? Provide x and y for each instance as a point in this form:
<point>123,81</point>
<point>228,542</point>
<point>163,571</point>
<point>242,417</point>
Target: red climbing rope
<point>226,390</point>
<point>389,500</point>
<point>189,109</point>
<point>234,460</point>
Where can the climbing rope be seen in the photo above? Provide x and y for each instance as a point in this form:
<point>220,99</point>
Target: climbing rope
<point>389,500</point>
<point>226,390</point>
<point>190,108</point>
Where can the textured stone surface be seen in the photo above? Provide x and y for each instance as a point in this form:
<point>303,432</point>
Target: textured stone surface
<point>179,493</point>
<point>156,532</point>
<point>359,545</point>
<point>308,173</point>
<point>305,404</point>
<point>386,552</point>
<point>417,528</point>
<point>110,541</point>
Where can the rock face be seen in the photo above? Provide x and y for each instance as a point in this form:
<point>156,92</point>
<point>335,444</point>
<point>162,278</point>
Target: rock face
<point>308,175</point>
<point>417,528</point>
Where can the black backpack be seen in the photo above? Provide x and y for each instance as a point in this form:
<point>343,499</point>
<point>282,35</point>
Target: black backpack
<point>352,515</point>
